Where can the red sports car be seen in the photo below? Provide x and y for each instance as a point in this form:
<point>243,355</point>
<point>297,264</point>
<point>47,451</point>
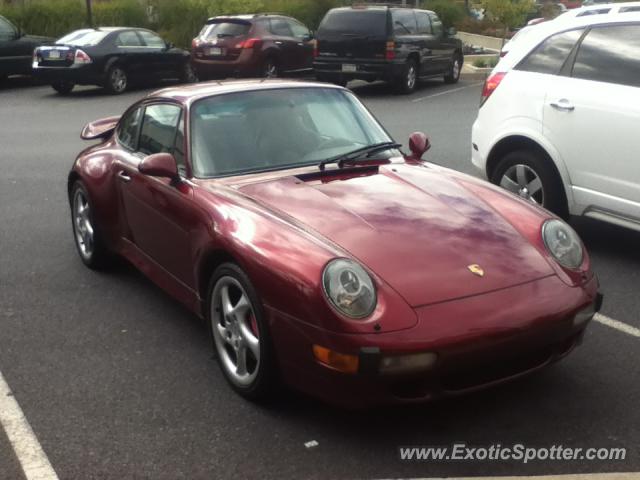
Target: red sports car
<point>285,215</point>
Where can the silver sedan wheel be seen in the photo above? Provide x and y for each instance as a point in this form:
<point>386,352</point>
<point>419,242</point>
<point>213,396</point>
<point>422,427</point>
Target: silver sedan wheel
<point>118,79</point>
<point>525,182</point>
<point>235,331</point>
<point>82,226</point>
<point>412,76</point>
<point>455,69</point>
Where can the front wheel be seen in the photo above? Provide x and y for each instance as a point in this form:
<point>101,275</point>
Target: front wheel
<point>116,80</point>
<point>62,87</point>
<point>240,334</point>
<point>409,79</point>
<point>270,68</point>
<point>453,75</point>
<point>528,174</point>
<point>85,233</point>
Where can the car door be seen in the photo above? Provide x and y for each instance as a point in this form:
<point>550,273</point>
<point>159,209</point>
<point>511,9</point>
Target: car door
<point>159,213</point>
<point>428,44</point>
<point>285,43</point>
<point>442,50</point>
<point>592,116</point>
<point>163,61</point>
<point>303,57</point>
<point>15,56</point>
<point>134,56</point>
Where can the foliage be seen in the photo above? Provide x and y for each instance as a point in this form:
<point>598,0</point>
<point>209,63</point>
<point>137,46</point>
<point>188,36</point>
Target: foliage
<point>508,13</point>
<point>485,62</point>
<point>449,12</point>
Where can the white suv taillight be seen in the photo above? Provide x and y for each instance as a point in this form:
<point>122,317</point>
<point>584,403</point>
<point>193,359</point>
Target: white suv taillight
<point>490,85</point>
<point>81,58</point>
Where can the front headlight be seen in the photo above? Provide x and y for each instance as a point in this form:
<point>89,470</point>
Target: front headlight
<point>563,243</point>
<point>349,288</point>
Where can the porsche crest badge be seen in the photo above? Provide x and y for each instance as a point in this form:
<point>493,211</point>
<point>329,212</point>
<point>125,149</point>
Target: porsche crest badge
<point>476,269</point>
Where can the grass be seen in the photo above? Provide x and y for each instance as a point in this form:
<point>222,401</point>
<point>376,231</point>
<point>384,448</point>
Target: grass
<point>485,63</point>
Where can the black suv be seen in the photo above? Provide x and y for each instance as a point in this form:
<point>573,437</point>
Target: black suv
<point>16,49</point>
<point>399,45</point>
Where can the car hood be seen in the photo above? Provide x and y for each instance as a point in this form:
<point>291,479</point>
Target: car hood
<point>418,229</point>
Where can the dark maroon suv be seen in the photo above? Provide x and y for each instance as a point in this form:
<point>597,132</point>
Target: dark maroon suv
<point>263,45</point>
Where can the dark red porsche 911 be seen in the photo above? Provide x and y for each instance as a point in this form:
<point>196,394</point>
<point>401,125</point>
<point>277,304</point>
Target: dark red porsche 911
<point>320,254</point>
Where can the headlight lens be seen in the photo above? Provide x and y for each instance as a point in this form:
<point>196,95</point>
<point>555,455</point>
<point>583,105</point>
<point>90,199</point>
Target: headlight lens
<point>349,288</point>
<point>563,243</point>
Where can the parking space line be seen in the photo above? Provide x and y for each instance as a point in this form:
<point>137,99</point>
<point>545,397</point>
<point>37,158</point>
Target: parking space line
<point>33,460</point>
<point>415,100</point>
<point>620,326</point>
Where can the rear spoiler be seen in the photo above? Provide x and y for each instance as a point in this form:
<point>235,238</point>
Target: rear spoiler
<point>99,128</point>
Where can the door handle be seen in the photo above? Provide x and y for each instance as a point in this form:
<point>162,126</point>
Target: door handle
<point>563,105</point>
<point>124,176</point>
<point>278,42</point>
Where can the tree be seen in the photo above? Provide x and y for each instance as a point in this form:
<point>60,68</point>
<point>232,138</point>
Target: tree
<point>508,13</point>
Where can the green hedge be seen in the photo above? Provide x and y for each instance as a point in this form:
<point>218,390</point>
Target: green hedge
<point>177,20</point>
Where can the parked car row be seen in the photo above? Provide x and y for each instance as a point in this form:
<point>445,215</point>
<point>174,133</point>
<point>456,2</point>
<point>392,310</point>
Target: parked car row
<point>395,44</point>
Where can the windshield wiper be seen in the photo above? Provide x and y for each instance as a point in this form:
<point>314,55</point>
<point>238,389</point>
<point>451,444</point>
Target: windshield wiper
<point>354,155</point>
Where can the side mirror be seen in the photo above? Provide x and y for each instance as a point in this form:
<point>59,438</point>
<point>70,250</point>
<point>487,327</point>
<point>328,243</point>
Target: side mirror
<point>451,31</point>
<point>309,36</point>
<point>159,165</point>
<point>418,144</point>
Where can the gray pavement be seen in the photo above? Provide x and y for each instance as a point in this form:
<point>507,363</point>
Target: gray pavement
<point>117,380</point>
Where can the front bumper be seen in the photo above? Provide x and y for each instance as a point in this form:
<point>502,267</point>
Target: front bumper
<point>332,70</point>
<point>480,341</point>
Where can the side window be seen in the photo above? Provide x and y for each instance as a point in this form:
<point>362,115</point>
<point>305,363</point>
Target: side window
<point>629,9</point>
<point>151,39</point>
<point>404,22</point>
<point>424,25</point>
<point>610,54</point>
<point>7,31</point>
<point>550,55</point>
<point>178,148</point>
<point>436,24</point>
<point>159,126</point>
<point>280,27</point>
<point>299,30</point>
<point>128,39</point>
<point>129,128</point>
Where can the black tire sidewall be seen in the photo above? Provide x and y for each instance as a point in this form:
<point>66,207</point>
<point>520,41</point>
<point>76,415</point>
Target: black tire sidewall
<point>263,386</point>
<point>554,195</point>
<point>63,87</point>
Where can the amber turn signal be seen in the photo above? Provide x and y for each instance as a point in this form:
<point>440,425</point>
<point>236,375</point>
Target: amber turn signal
<point>337,361</point>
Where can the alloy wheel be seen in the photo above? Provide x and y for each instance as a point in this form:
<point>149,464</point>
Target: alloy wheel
<point>524,182</point>
<point>455,69</point>
<point>411,76</point>
<point>235,331</point>
<point>82,226</point>
<point>270,69</point>
<point>118,80</point>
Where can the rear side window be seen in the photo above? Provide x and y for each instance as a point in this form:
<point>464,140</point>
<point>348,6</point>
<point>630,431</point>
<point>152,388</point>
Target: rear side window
<point>299,30</point>
<point>280,27</point>
<point>610,54</point>
<point>129,128</point>
<point>6,30</point>
<point>550,55</point>
<point>600,11</point>
<point>629,9</point>
<point>128,39</point>
<point>159,129</point>
<point>356,22</point>
<point>151,39</point>
<point>404,22</point>
<point>224,29</point>
<point>424,25</point>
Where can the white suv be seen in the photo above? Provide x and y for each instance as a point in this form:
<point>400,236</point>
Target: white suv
<point>559,122</point>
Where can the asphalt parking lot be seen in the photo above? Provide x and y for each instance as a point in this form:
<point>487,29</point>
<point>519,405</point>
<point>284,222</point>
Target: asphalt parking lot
<point>117,380</point>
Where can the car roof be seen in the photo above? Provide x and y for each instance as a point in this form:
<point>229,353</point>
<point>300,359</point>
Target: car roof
<point>599,6</point>
<point>547,29</point>
<point>188,94</point>
<point>380,7</point>
<point>246,16</point>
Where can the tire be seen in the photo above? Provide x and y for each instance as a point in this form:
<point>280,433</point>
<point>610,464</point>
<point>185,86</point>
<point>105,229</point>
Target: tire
<point>116,80</point>
<point>240,331</point>
<point>270,68</point>
<point>63,87</point>
<point>86,233</point>
<point>187,74</point>
<point>517,172</point>
<point>408,81</point>
<point>453,75</point>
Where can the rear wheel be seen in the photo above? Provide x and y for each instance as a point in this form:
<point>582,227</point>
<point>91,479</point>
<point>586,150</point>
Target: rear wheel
<point>63,87</point>
<point>87,238</point>
<point>187,75</point>
<point>408,81</point>
<point>116,80</point>
<point>270,68</point>
<point>453,75</point>
<point>528,174</point>
<point>240,334</point>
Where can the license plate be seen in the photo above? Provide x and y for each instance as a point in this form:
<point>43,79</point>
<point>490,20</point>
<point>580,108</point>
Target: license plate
<point>215,51</point>
<point>347,67</point>
<point>54,55</point>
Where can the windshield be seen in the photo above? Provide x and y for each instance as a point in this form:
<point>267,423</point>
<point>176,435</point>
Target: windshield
<point>83,38</point>
<point>224,29</point>
<point>275,129</point>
